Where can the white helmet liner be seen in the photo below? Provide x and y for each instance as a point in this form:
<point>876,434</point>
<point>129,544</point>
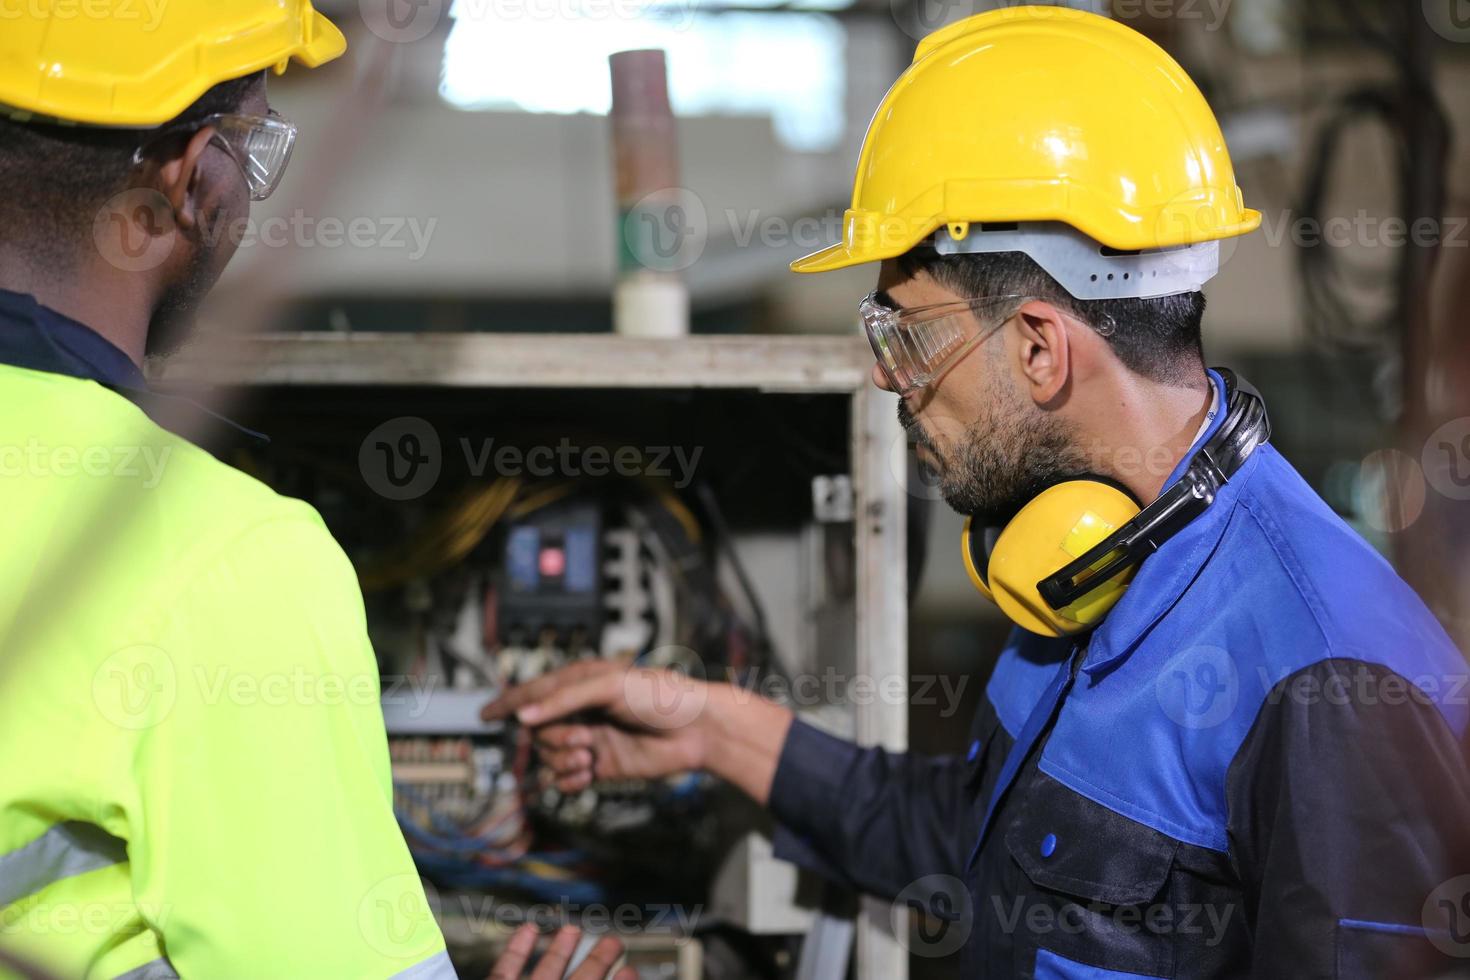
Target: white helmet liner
<point>1084,267</point>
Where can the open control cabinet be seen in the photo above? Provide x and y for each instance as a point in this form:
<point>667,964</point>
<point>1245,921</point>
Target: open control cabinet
<point>728,506</point>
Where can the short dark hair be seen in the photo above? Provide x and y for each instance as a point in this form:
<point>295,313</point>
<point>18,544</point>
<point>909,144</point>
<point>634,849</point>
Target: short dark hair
<point>56,176</point>
<point>1157,338</point>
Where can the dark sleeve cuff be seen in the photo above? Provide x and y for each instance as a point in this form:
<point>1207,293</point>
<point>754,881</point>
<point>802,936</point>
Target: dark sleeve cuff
<point>805,797</point>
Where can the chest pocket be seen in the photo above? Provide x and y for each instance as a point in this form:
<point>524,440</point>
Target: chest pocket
<point>1095,884</point>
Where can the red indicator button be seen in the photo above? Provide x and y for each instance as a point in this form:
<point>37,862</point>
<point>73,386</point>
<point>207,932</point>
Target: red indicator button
<point>553,562</point>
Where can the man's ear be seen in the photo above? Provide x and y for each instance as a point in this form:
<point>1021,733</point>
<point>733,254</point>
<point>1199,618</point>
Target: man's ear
<point>1045,350</point>
<point>180,178</point>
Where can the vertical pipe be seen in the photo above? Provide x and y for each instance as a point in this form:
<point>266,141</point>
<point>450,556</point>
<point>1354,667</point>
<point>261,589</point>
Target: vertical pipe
<point>655,234</point>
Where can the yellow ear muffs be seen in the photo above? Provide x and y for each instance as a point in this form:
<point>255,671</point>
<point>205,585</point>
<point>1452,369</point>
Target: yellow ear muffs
<point>1056,527</point>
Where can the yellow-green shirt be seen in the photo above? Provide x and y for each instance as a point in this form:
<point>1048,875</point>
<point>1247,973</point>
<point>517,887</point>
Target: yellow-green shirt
<point>195,771</point>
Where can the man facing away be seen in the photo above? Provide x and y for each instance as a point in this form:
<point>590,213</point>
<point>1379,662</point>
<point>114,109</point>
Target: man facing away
<point>195,770</point>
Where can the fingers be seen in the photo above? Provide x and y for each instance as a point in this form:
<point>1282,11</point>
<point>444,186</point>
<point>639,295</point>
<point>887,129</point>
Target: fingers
<point>596,691</point>
<point>565,762</point>
<point>513,698</point>
<point>554,961</point>
<point>574,782</point>
<point>563,737</point>
<point>600,961</point>
<point>517,953</point>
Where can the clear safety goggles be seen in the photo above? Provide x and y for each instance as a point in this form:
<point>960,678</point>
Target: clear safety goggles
<point>259,145</point>
<point>916,346</point>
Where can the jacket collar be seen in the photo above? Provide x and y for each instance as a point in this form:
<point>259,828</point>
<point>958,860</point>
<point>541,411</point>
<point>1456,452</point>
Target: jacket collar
<point>38,338</point>
<point>1163,577</point>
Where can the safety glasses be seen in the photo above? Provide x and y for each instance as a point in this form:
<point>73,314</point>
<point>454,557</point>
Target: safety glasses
<point>916,346</point>
<point>259,145</point>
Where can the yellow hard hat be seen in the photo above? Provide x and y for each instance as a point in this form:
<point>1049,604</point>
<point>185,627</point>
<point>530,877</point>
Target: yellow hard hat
<point>144,65</point>
<point>1039,114</point>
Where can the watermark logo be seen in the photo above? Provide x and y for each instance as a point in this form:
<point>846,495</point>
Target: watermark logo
<point>1391,489</point>
<point>401,459</point>
<point>1450,19</point>
<point>1198,687</point>
<point>668,699</point>
<point>1446,917</point>
<point>401,21</point>
<point>148,12</point>
<point>665,231</point>
<point>396,913</point>
<point>135,231</point>
<point>933,916</point>
<point>924,17</point>
<point>1446,459</point>
<point>136,687</point>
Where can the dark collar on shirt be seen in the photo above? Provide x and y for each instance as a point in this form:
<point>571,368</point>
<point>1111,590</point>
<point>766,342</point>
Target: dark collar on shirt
<point>1162,579</point>
<point>38,338</point>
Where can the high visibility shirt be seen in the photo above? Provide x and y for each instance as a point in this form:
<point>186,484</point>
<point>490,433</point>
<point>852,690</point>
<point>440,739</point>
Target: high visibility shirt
<point>1253,767</point>
<point>195,769</point>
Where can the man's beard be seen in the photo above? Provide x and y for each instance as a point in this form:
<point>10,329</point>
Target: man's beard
<point>1000,463</point>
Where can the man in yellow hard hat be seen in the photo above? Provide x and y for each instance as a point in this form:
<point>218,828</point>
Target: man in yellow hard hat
<point>194,773</point>
<point>1224,739</point>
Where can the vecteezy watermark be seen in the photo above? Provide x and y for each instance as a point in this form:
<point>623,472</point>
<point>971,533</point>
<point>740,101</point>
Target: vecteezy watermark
<point>1446,459</point>
<point>834,687</point>
<point>1364,230</point>
<point>1203,919</point>
<point>1198,687</point>
<point>396,914</point>
<point>1391,489</point>
<point>89,918</point>
<point>1450,19</point>
<point>143,463</point>
<point>403,458</point>
<point>482,912</point>
<point>135,687</point>
<point>918,20</point>
<point>669,699</point>
<point>149,12</point>
<point>1446,917</point>
<point>135,231</point>
<point>139,687</point>
<point>674,463</point>
<point>407,21</point>
<point>933,916</point>
<point>1363,685</point>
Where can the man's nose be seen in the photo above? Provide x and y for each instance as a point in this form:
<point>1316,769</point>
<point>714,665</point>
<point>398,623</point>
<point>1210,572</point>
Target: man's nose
<point>881,379</point>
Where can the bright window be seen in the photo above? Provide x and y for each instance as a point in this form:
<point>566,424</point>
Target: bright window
<point>551,56</point>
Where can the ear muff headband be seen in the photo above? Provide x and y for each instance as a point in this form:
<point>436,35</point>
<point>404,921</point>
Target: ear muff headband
<point>1246,426</point>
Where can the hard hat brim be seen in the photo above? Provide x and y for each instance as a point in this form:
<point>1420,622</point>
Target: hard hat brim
<point>837,256</point>
<point>328,43</point>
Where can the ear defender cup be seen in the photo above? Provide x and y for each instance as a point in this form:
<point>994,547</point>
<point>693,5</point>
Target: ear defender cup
<point>1059,525</point>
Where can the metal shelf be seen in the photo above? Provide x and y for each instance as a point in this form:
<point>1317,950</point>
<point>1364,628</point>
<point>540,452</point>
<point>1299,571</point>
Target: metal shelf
<point>494,360</point>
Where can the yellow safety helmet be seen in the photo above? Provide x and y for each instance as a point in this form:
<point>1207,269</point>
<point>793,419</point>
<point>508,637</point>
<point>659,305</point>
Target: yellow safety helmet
<point>1040,114</point>
<point>66,62</point>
